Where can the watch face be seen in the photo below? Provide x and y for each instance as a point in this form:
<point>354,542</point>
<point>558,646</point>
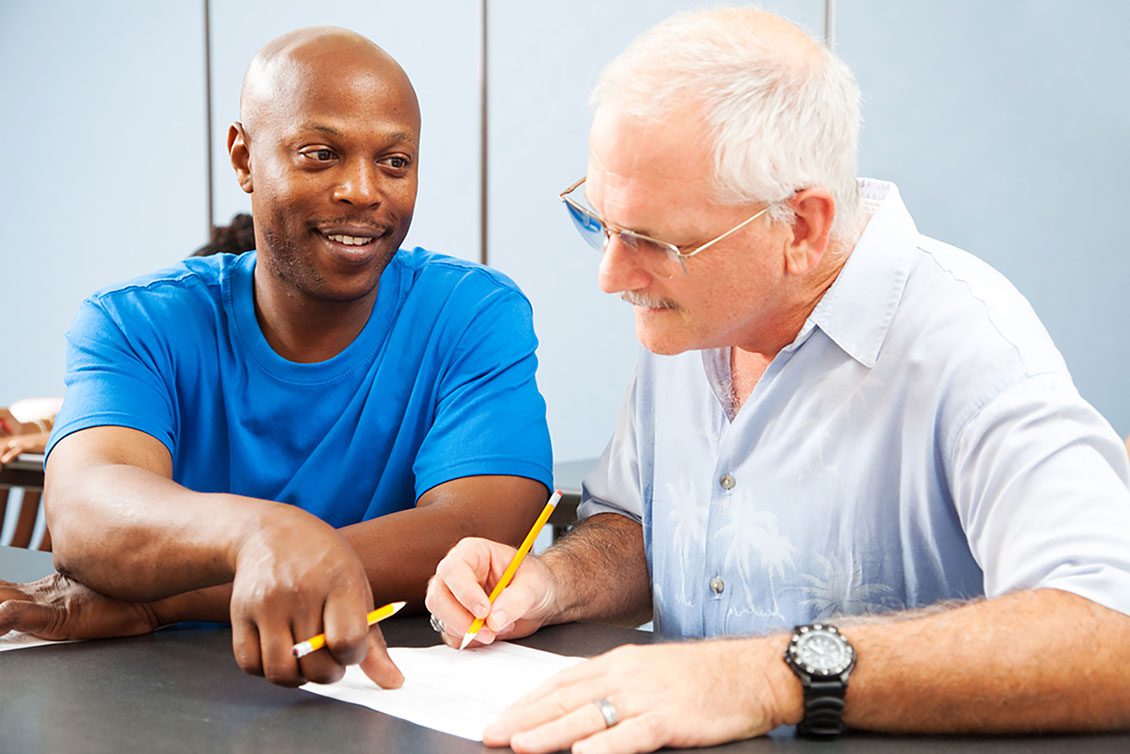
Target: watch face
<point>821,651</point>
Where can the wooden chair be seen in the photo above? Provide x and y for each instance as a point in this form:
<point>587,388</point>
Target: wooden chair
<point>29,504</point>
<point>22,485</point>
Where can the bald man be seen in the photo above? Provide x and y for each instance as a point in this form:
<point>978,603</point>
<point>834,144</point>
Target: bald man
<point>285,436</point>
<point>850,456</point>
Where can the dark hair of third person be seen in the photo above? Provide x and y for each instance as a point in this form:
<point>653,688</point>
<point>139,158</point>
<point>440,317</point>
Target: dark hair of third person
<point>236,237</point>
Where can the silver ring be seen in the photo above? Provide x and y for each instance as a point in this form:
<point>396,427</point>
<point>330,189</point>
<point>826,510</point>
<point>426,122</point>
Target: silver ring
<point>437,624</point>
<point>608,712</point>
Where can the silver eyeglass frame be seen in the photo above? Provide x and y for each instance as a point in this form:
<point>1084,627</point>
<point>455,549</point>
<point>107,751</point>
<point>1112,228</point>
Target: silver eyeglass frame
<point>673,251</point>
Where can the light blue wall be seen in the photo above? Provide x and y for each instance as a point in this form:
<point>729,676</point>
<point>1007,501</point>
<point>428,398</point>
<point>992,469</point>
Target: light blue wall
<point>1005,123</point>
<point>103,164</point>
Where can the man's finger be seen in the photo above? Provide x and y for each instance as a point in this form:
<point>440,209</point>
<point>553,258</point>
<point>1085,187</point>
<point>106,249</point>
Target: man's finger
<point>636,734</point>
<point>28,617</point>
<point>516,601</point>
<point>378,665</point>
<point>565,691</point>
<point>560,732</point>
<point>320,666</point>
<point>245,646</point>
<point>464,572</point>
<point>347,630</point>
<point>276,640</point>
<point>442,603</point>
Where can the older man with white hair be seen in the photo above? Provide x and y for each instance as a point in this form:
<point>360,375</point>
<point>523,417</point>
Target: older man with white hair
<point>848,443</point>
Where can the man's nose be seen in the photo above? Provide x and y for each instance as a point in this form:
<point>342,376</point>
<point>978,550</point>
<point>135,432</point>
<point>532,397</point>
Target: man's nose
<point>360,185</point>
<point>620,268</point>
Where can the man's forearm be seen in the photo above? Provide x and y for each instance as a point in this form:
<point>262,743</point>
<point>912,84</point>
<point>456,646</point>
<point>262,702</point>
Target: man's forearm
<point>154,538</point>
<point>1029,661</point>
<point>601,572</point>
<point>400,550</point>
<point>211,603</point>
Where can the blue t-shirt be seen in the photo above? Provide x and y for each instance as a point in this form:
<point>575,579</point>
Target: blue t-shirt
<point>438,385</point>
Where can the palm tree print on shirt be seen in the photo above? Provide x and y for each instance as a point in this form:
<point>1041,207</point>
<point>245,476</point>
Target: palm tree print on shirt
<point>839,590</point>
<point>758,555</point>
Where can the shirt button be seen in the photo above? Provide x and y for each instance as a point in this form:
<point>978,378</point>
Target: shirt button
<point>717,585</point>
<point>727,482</point>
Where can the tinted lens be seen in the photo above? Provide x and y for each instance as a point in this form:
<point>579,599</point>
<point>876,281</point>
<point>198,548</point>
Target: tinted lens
<point>590,228</point>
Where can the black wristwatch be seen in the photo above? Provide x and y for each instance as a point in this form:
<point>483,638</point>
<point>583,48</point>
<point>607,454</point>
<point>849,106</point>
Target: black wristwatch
<point>822,658</point>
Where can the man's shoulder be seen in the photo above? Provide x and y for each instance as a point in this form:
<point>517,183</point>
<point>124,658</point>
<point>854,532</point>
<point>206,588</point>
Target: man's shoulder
<point>964,322</point>
<point>968,297</point>
<point>431,272</point>
<point>202,275</point>
<point>176,295</point>
<point>968,271</point>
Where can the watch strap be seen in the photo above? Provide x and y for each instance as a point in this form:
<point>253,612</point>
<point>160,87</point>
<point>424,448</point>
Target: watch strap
<point>823,708</point>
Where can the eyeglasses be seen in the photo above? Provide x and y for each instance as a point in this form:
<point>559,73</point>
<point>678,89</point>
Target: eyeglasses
<point>658,257</point>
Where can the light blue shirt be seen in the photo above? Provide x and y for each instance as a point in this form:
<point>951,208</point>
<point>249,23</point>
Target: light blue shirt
<point>920,440</point>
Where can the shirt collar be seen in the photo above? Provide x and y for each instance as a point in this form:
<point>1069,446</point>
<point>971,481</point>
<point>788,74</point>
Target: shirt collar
<point>857,310</point>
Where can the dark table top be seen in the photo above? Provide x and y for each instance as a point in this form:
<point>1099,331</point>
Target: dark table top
<point>23,471</point>
<point>179,690</point>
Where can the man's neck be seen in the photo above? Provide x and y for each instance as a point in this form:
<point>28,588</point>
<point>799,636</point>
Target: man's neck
<point>748,362</point>
<point>307,330</point>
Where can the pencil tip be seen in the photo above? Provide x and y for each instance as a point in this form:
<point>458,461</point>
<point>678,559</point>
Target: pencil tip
<point>467,639</point>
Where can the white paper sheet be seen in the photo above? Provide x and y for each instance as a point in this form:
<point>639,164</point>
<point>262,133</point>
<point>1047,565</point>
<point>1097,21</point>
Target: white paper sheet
<point>451,691</point>
<point>18,640</point>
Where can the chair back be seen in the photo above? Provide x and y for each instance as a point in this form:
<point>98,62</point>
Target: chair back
<point>22,523</point>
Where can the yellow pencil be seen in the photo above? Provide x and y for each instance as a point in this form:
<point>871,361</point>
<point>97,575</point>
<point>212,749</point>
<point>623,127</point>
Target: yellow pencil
<point>511,569</point>
<point>314,643</point>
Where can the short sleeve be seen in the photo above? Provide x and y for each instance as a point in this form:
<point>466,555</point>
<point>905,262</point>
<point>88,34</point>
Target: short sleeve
<point>614,485</point>
<point>1039,479</point>
<point>113,379</point>
<point>490,417</point>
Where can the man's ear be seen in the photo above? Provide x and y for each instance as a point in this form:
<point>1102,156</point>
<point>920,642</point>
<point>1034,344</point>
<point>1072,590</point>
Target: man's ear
<point>814,210</point>
<point>239,152</point>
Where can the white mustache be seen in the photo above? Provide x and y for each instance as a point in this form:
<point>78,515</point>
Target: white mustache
<point>647,302</point>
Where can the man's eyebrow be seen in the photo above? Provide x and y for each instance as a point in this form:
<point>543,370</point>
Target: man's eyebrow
<point>396,136</point>
<point>405,136</point>
<point>329,130</point>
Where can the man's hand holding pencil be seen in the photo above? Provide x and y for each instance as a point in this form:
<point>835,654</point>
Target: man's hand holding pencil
<point>520,599</point>
<point>297,578</point>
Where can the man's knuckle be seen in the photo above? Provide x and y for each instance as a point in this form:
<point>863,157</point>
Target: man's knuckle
<point>347,640</point>
<point>657,730</point>
<point>281,676</point>
<point>249,665</point>
<point>325,673</point>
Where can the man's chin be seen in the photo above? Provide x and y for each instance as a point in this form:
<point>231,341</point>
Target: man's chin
<point>344,294</point>
<point>661,341</point>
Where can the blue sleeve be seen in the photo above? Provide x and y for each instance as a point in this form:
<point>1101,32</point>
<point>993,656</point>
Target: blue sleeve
<point>490,418</point>
<point>114,379</point>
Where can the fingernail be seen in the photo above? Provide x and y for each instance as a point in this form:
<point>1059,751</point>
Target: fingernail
<point>499,620</point>
<point>492,731</point>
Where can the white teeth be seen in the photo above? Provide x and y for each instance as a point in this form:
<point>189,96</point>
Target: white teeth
<point>350,240</point>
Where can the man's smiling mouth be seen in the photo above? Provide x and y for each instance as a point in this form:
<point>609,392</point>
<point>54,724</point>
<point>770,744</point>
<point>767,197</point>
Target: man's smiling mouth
<point>350,240</point>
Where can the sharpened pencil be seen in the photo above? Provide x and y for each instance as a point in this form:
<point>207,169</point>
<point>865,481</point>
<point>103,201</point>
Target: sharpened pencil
<point>314,643</point>
<point>516,561</point>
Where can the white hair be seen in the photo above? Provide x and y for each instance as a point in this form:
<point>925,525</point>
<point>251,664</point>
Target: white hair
<point>783,116</point>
